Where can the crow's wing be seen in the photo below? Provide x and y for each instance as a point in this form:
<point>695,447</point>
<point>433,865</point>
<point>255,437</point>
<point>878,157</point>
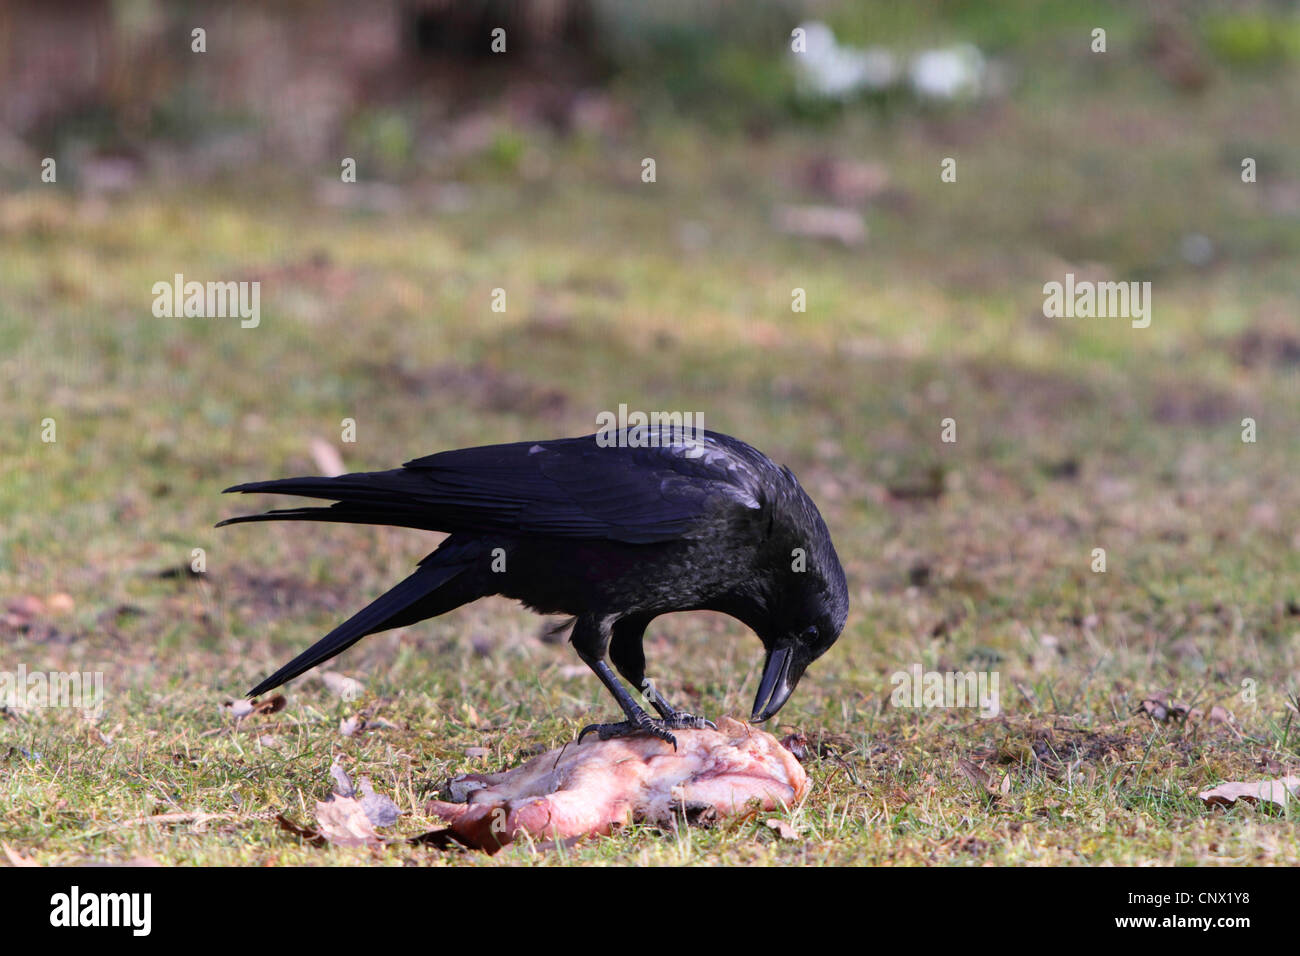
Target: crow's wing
<point>571,488</point>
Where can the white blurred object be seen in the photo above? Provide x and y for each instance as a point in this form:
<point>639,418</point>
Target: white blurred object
<point>949,73</point>
<point>832,70</point>
<point>828,69</point>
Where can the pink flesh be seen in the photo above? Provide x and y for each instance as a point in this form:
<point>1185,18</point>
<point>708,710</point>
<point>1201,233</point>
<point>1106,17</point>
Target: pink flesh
<point>597,785</point>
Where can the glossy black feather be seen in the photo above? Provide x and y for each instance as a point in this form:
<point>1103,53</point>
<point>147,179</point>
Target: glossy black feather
<point>613,536</point>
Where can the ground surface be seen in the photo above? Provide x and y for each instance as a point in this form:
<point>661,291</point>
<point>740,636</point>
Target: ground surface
<point>1072,435</point>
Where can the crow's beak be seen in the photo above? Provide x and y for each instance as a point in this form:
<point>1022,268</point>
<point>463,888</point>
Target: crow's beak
<point>779,678</point>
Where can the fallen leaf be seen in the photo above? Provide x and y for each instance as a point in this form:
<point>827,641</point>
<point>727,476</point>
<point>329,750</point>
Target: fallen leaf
<point>1269,764</point>
<point>973,773</point>
<point>313,837</point>
<point>1272,792</point>
<point>782,829</point>
<point>343,822</point>
<point>379,809</point>
<point>269,706</point>
<point>350,726</point>
<point>1160,709</point>
<point>1154,709</point>
<point>471,715</point>
<point>239,708</point>
<point>342,782</point>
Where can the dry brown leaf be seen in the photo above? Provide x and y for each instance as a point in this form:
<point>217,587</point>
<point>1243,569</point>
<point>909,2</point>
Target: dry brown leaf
<point>342,782</point>
<point>1160,709</point>
<point>269,706</point>
<point>343,822</point>
<point>973,773</point>
<point>379,809</point>
<point>782,829</point>
<point>307,833</point>
<point>471,715</point>
<point>1269,792</point>
<point>347,821</point>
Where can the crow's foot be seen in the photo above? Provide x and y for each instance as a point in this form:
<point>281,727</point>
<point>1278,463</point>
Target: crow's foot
<point>649,725</point>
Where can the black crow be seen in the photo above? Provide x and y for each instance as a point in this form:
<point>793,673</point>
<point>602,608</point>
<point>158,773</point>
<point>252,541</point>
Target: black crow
<point>613,529</point>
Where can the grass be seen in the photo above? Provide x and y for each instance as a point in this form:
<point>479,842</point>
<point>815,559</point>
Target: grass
<point>1072,435</point>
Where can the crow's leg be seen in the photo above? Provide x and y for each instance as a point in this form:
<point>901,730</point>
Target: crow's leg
<point>627,653</point>
<point>591,641</point>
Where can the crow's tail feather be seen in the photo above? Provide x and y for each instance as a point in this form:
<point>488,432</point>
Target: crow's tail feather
<point>347,513</point>
<point>437,586</point>
<point>376,497</point>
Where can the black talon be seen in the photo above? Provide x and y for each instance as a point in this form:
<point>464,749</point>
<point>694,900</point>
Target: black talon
<point>680,720</point>
<point>627,728</point>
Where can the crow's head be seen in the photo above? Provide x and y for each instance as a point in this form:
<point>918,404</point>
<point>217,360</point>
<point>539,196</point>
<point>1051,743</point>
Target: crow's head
<point>807,611</point>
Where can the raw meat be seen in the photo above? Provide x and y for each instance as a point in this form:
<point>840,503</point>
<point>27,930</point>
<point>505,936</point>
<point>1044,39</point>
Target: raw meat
<point>598,785</point>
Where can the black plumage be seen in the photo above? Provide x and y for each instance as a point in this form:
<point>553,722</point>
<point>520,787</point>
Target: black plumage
<point>612,534</point>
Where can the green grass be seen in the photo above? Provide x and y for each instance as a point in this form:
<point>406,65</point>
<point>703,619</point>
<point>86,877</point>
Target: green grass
<point>385,318</point>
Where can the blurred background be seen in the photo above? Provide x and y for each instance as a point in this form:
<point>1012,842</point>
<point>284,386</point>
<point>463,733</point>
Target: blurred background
<point>773,171</point>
